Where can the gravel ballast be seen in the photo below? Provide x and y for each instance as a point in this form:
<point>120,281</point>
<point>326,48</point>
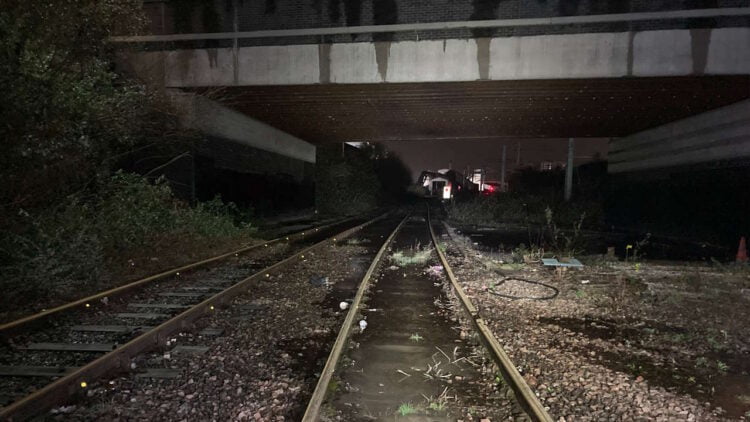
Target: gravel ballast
<point>618,341</point>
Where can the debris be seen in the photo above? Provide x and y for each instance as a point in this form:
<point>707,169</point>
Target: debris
<point>343,306</point>
<point>319,280</point>
<point>553,262</point>
<point>585,281</point>
<point>435,270</point>
<point>362,325</point>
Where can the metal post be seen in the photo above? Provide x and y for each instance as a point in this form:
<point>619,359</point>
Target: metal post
<point>235,43</point>
<point>192,174</point>
<point>569,171</point>
<point>518,154</point>
<point>502,172</point>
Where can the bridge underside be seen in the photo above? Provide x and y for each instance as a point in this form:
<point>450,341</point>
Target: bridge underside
<point>603,107</point>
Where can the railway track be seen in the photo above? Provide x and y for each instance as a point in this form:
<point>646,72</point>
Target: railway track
<point>406,360</point>
<point>76,343</point>
<point>425,352</point>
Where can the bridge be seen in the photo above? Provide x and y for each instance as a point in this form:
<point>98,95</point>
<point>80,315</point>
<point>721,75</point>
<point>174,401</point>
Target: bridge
<point>548,70</point>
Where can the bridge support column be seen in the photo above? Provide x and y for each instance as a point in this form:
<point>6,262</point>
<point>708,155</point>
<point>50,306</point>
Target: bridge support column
<point>569,170</point>
<point>502,172</point>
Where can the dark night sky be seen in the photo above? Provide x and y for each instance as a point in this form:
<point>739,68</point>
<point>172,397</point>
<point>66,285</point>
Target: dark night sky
<point>433,155</point>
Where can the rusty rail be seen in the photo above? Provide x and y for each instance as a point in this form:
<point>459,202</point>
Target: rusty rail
<point>63,388</point>
<point>526,398</point>
<point>313,406</point>
<point>160,276</point>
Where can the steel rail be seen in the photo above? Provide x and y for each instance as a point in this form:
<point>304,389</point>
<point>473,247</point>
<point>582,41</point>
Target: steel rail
<point>162,275</point>
<point>60,390</point>
<point>431,26</point>
<point>313,406</point>
<point>526,398</point>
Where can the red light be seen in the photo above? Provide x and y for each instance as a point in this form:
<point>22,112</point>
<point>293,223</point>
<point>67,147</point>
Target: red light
<point>490,188</point>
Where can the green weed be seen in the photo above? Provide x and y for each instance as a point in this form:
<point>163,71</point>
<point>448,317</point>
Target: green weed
<point>406,409</point>
<point>416,338</point>
<point>416,256</point>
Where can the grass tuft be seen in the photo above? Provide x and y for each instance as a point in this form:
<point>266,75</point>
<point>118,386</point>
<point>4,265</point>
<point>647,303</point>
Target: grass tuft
<point>406,409</point>
<point>415,257</point>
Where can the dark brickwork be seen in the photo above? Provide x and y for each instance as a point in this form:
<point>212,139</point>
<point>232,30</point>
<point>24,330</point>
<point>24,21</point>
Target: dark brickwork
<point>219,16</point>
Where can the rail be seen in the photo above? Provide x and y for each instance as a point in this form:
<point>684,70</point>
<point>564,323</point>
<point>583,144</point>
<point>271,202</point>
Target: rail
<point>313,407</point>
<point>4,328</point>
<point>60,390</point>
<point>526,398</point>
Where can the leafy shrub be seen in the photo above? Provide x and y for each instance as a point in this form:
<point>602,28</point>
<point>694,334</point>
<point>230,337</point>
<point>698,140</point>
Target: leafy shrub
<point>67,247</point>
<point>57,251</point>
<point>345,187</point>
<point>131,210</point>
<point>523,209</point>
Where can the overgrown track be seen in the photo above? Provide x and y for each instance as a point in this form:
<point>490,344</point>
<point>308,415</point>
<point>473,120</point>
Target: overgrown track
<point>10,327</point>
<point>322,393</point>
<point>76,371</point>
<point>526,398</point>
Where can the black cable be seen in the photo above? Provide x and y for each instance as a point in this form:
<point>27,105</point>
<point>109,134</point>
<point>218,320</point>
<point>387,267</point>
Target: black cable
<point>554,295</point>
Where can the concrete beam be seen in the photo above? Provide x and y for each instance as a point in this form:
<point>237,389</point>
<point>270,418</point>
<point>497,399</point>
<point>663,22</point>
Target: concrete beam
<point>439,26</point>
<point>214,119</point>
<point>722,51</point>
<point>721,134</point>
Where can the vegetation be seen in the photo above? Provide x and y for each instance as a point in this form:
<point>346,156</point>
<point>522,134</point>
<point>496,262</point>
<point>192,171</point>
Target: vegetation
<point>516,208</point>
<point>358,180</point>
<point>71,126</point>
<point>70,246</point>
<point>415,256</point>
<point>416,337</point>
<point>406,409</point>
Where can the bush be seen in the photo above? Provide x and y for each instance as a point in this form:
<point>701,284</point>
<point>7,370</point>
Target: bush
<point>56,251</point>
<point>131,211</point>
<point>68,247</point>
<point>345,187</point>
<point>493,211</point>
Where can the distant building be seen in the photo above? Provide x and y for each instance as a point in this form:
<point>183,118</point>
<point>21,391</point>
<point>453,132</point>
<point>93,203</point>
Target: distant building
<point>551,165</point>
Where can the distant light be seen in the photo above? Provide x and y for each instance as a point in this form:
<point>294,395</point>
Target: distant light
<point>88,305</point>
<point>83,384</point>
<point>178,274</point>
<point>211,307</point>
